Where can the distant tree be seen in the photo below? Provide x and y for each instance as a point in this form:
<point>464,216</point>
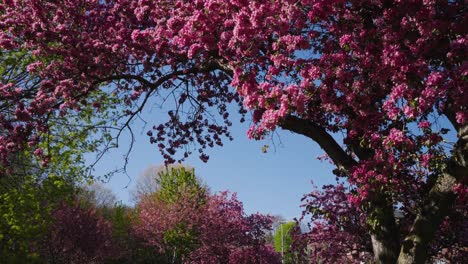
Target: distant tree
<point>283,241</point>
<point>173,208</point>
<point>169,180</point>
<point>228,235</point>
<point>120,218</point>
<point>182,221</point>
<point>147,183</point>
<point>179,181</point>
<point>276,220</point>
<point>168,227</point>
<point>129,248</point>
<point>98,195</point>
<point>254,255</point>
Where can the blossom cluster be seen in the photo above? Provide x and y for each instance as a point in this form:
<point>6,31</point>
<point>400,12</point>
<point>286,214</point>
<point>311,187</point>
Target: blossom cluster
<point>371,69</point>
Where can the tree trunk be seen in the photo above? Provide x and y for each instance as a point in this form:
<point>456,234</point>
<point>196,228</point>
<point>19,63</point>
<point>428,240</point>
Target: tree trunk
<point>437,205</point>
<point>384,233</point>
<point>385,251</point>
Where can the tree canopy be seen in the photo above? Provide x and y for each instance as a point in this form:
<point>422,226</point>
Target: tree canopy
<point>377,84</point>
<point>283,241</point>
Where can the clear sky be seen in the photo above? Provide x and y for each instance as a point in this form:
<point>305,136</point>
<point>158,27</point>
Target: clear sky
<point>272,182</point>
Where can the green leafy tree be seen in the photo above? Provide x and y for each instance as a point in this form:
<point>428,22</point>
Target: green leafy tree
<point>283,240</point>
<point>176,184</point>
<point>168,181</point>
<point>29,190</point>
<point>172,185</point>
<point>25,214</point>
<point>177,181</point>
<point>58,148</point>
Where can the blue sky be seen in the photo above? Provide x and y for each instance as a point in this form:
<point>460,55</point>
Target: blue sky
<point>272,182</point>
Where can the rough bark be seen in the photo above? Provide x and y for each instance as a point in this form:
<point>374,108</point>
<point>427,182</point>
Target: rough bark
<point>384,232</point>
<point>437,205</point>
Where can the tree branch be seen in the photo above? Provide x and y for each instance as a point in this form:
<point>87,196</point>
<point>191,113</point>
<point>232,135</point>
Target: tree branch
<point>153,86</point>
<point>451,116</point>
<point>342,160</point>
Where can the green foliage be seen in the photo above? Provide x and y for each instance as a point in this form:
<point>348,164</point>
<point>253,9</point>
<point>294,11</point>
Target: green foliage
<point>66,139</point>
<point>121,220</point>
<point>34,185</point>
<point>84,131</point>
<point>181,239</point>
<point>12,64</point>
<point>25,212</point>
<point>283,240</point>
<point>174,186</point>
<point>177,181</point>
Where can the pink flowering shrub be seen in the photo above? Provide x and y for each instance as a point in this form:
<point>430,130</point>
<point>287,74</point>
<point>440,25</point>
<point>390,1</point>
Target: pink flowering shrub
<point>77,235</point>
<point>337,230</point>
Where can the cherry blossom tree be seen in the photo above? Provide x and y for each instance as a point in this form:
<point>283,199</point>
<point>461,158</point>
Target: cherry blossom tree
<point>380,85</point>
<point>337,232</point>
<point>233,234</point>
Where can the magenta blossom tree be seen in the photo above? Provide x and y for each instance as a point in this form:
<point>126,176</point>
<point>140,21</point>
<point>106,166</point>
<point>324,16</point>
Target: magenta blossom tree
<point>78,235</point>
<point>390,76</point>
<point>337,232</point>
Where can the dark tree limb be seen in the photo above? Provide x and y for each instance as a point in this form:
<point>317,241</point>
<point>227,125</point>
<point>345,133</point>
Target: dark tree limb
<point>342,160</point>
<point>155,85</point>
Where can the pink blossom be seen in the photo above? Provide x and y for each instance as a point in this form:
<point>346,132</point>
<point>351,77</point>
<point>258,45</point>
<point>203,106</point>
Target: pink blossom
<point>424,124</point>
